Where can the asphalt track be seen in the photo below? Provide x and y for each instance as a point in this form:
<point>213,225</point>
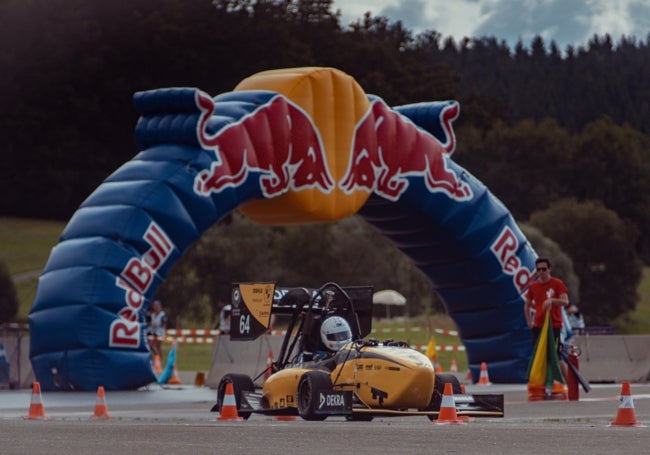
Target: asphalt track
<point>172,420</point>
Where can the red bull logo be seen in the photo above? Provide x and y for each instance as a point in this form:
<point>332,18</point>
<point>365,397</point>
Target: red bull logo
<point>295,159</point>
<point>388,148</point>
<point>278,140</point>
<point>318,160</point>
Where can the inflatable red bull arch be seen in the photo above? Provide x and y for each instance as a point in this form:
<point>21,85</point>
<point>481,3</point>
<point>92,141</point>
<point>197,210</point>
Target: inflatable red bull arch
<point>287,146</point>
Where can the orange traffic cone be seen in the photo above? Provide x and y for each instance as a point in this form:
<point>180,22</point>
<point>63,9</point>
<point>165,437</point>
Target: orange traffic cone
<point>469,375</point>
<point>269,366</point>
<point>559,391</point>
<point>199,379</point>
<point>626,417</point>
<point>438,367</point>
<point>101,411</point>
<point>174,379</point>
<point>229,406</point>
<point>36,408</point>
<point>157,367</point>
<point>447,414</point>
<point>483,379</point>
<point>454,366</point>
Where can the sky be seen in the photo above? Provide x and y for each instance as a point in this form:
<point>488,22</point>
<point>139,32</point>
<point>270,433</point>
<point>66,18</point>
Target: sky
<point>568,22</point>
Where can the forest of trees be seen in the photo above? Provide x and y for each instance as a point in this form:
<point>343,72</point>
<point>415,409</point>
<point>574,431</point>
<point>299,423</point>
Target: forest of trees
<point>552,132</point>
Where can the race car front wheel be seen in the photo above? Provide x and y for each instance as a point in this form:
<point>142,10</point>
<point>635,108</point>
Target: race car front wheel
<point>310,383</point>
<point>240,383</point>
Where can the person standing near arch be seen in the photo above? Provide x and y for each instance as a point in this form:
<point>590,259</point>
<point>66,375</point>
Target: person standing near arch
<point>157,327</point>
<point>547,294</point>
<point>224,317</point>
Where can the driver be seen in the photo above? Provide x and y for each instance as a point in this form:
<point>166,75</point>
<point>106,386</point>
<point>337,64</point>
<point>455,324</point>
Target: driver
<point>335,333</point>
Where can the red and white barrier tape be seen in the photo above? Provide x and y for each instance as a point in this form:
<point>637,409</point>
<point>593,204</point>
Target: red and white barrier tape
<point>204,332</point>
<point>192,340</point>
<point>209,340</point>
<point>415,329</point>
<point>214,332</point>
<point>14,325</point>
<point>453,333</point>
<point>439,348</point>
<point>194,332</point>
<point>397,329</point>
<point>207,336</point>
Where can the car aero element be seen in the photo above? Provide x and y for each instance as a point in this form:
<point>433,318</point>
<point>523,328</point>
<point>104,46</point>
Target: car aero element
<point>364,379</point>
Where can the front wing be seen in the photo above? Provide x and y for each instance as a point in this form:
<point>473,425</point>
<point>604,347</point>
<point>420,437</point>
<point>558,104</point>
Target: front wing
<point>330,403</point>
<point>477,405</point>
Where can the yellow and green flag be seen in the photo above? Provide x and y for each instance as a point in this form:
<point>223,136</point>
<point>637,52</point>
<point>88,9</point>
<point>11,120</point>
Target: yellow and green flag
<point>544,367</point>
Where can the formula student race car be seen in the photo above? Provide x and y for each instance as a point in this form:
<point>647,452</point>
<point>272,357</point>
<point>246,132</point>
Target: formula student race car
<point>326,366</point>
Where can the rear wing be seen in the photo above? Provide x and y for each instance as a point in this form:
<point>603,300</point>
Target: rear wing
<point>253,304</point>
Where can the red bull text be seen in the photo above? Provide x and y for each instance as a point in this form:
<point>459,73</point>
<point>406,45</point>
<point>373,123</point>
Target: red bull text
<point>505,249</point>
<point>135,279</point>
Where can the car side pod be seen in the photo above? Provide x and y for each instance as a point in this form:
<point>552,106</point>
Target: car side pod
<point>447,415</point>
<point>229,408</point>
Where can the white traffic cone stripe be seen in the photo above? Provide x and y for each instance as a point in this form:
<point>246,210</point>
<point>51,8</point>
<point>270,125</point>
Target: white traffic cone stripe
<point>448,401</point>
<point>626,402</point>
<point>229,400</point>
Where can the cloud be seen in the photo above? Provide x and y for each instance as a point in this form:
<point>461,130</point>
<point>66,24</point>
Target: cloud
<point>564,21</point>
<point>622,17</point>
<point>455,18</point>
<point>567,22</point>
<point>411,12</point>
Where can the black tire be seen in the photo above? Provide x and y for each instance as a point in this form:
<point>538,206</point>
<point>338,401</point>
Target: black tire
<point>442,379</point>
<point>439,389</point>
<point>240,383</point>
<point>307,398</point>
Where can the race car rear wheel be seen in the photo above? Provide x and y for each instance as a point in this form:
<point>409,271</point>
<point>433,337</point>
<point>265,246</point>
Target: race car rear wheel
<point>439,389</point>
<point>310,382</point>
<point>240,383</point>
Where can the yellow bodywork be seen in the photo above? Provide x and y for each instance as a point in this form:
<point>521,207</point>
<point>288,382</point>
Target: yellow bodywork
<point>382,377</point>
<point>281,389</point>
